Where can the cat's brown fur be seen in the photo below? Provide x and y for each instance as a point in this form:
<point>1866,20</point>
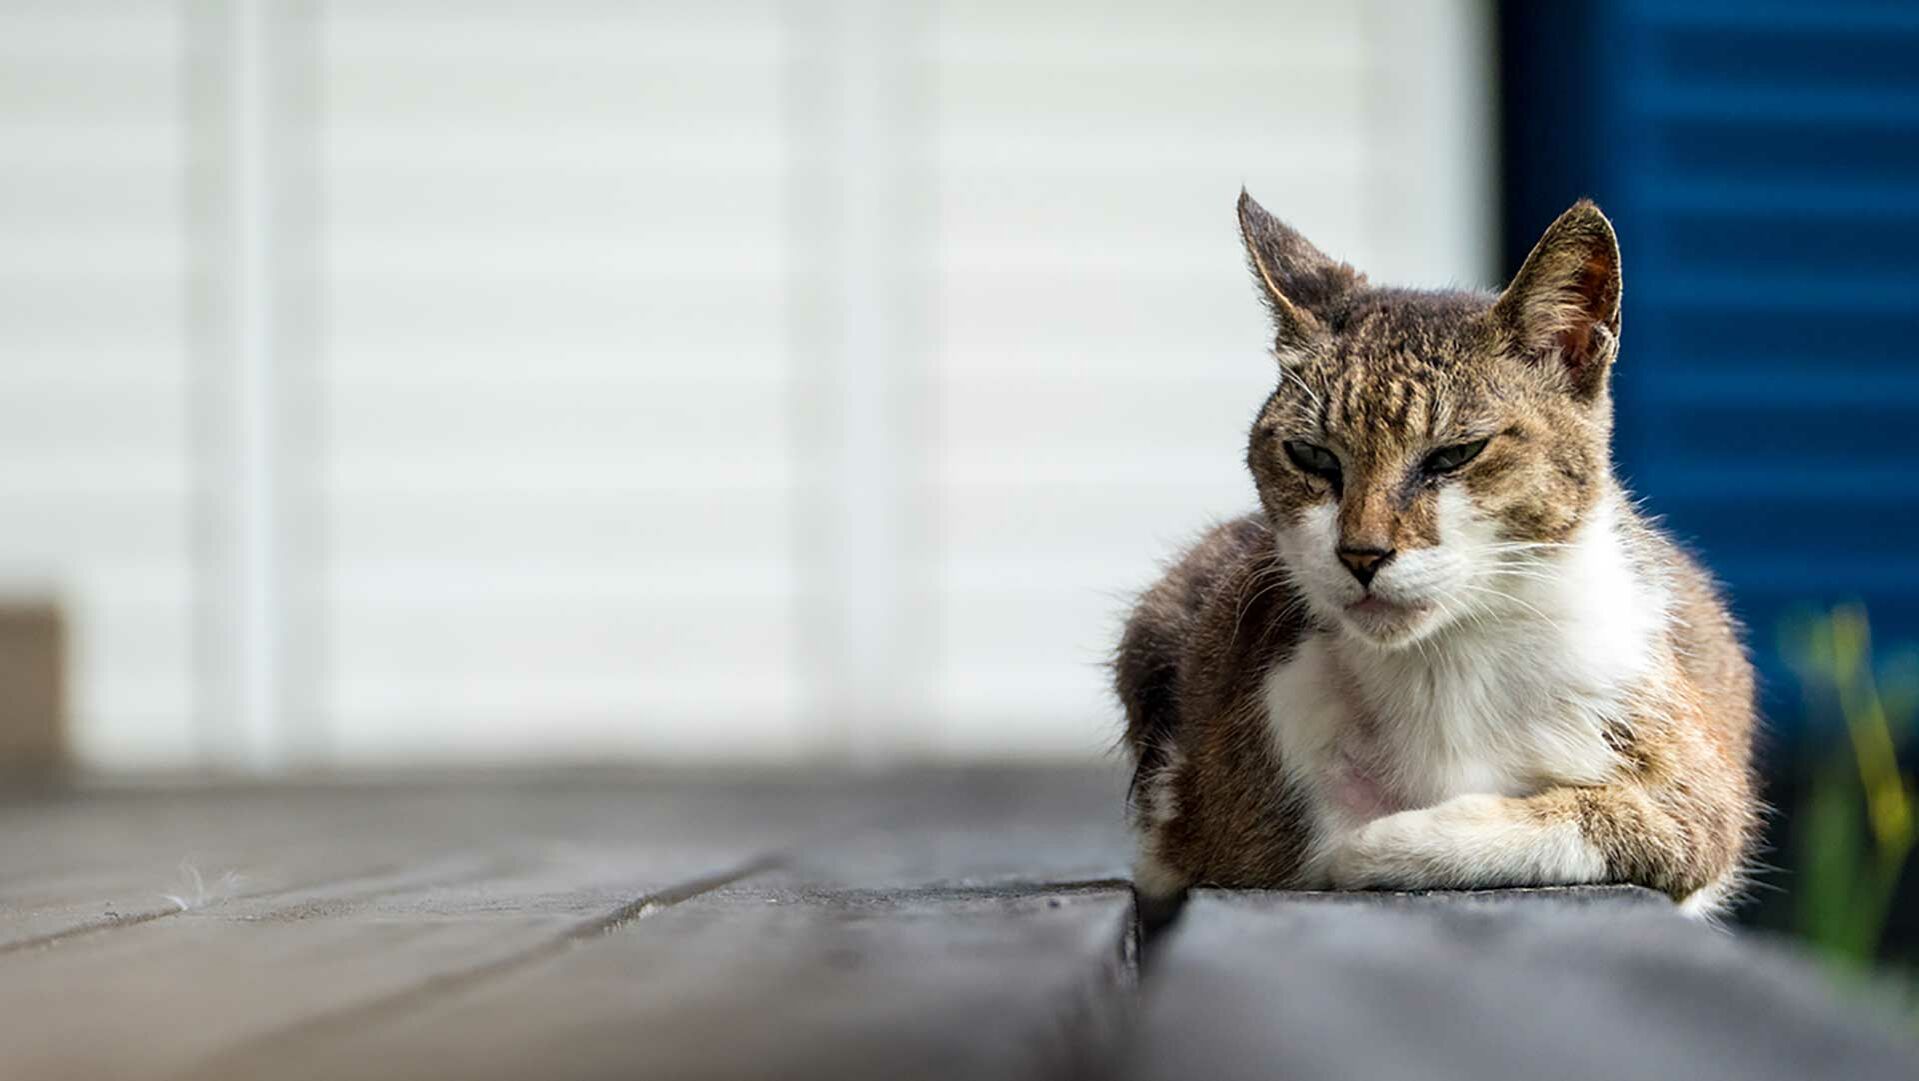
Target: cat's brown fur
<point>1637,774</point>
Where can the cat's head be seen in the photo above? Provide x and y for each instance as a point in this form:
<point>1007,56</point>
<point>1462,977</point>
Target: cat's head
<point>1426,453</point>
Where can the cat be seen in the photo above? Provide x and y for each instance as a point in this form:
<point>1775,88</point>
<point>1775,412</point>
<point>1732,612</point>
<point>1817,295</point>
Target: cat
<point>1448,651</point>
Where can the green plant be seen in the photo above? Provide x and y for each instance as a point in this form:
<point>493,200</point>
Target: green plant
<point>1857,828</point>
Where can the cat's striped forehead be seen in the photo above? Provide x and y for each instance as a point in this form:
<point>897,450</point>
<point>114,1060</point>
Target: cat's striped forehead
<point>1398,374</point>
<point>1406,369</point>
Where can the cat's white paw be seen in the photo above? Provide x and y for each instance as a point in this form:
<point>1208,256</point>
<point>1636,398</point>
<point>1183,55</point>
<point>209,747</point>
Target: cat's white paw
<point>1467,842</point>
<point>1403,851</point>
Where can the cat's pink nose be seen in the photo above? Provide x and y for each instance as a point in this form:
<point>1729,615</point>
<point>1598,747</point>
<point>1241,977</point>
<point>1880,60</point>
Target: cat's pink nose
<point>1365,562</point>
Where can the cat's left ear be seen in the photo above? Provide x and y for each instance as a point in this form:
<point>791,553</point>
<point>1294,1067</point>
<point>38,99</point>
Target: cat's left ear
<point>1300,284</point>
<point>1563,305</point>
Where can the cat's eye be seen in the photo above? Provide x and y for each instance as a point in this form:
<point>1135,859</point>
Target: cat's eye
<point>1318,461</point>
<point>1447,459</point>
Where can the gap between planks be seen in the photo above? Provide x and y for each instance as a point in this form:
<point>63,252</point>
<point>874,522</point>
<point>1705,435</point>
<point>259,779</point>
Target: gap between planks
<point>1102,1010</point>
<point>118,921</point>
<point>431,989</point>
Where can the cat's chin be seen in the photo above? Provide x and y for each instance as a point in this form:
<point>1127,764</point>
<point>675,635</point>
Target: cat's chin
<point>1388,624</point>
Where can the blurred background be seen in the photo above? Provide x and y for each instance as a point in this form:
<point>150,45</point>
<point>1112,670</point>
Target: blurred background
<point>434,383</point>
<point>443,382</point>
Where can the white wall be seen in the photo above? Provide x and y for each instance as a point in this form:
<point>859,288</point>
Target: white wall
<point>677,379</point>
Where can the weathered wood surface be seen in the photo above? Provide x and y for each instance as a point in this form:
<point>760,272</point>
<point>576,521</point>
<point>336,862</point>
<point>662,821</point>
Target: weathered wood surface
<point>1600,984</point>
<point>327,920</point>
<point>970,923</point>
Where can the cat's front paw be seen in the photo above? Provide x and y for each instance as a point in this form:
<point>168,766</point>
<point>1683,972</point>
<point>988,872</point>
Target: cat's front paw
<point>1467,842</point>
<point>1396,852</point>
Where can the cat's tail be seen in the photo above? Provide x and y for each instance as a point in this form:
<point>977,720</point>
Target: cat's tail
<point>1146,676</point>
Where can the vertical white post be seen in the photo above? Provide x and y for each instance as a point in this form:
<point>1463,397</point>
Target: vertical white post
<point>1434,107</point>
<point>866,452</point>
<point>252,464</point>
<point>858,251</point>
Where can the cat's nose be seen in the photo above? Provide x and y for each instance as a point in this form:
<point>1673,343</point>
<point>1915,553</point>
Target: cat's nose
<point>1365,562</point>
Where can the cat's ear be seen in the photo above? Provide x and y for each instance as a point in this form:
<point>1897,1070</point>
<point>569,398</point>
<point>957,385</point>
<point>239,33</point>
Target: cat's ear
<point>1299,282</point>
<point>1563,305</point>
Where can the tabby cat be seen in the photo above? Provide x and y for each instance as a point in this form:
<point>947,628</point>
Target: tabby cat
<point>1448,651</point>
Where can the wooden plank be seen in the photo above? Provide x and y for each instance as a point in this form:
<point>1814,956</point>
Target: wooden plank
<point>951,923</point>
<point>930,944</point>
<point>72,863</point>
<point>1510,984</point>
<point>81,866</point>
<point>83,862</point>
<point>386,903</point>
<point>385,894</point>
<point>168,993</point>
<point>772,984</point>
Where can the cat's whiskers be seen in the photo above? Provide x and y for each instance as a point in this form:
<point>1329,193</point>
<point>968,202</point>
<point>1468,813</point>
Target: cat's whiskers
<point>1275,575</point>
<point>1505,596</point>
<point>1514,546</point>
<point>1286,373</point>
<point>1504,570</point>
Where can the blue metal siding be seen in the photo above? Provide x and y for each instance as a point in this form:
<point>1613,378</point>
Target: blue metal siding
<point>1761,161</point>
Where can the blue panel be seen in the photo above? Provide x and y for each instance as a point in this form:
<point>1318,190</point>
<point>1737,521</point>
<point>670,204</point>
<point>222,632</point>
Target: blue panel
<point>1761,160</point>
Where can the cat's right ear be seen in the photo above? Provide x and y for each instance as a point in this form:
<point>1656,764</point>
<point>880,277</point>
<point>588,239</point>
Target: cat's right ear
<point>1562,308</point>
<point>1298,281</point>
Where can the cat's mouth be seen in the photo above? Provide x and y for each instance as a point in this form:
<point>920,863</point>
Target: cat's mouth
<point>1387,622</point>
<point>1374,606</point>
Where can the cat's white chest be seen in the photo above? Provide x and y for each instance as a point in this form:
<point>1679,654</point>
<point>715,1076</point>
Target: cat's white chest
<point>1362,743</point>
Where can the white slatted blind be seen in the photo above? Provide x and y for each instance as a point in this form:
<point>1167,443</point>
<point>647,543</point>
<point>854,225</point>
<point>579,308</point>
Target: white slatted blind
<point>96,485</point>
<point>736,379</point>
<point>1099,344</point>
<point>559,462</point>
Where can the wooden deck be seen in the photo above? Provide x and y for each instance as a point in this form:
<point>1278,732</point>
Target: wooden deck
<point>927,924</point>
